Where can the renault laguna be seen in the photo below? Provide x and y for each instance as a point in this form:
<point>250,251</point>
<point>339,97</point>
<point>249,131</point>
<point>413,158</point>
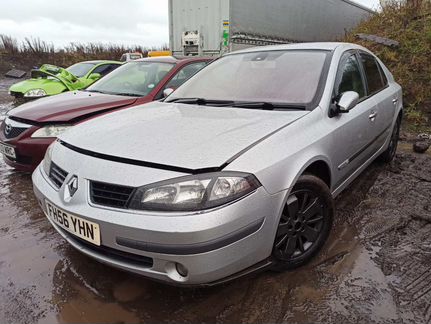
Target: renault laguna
<point>234,172</point>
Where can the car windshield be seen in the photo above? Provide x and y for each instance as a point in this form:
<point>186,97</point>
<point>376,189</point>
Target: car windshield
<point>80,69</point>
<point>133,79</point>
<point>290,77</point>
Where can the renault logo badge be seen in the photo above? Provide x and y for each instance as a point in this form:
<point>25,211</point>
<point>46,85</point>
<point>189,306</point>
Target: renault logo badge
<point>72,185</point>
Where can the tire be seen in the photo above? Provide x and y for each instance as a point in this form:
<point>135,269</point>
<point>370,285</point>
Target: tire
<point>388,155</point>
<point>300,236</point>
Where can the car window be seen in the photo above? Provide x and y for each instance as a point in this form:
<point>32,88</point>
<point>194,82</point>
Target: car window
<point>349,77</point>
<point>185,73</point>
<point>105,69</point>
<point>135,56</point>
<point>372,73</point>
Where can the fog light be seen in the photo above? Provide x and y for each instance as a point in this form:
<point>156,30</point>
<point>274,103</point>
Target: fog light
<point>182,270</point>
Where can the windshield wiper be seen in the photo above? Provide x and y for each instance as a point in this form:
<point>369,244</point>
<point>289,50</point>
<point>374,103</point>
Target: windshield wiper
<point>115,93</point>
<point>202,101</point>
<point>96,91</point>
<point>128,94</point>
<point>239,104</point>
<point>265,105</point>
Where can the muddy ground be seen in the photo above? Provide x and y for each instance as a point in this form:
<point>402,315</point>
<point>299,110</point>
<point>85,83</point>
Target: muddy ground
<point>375,268</point>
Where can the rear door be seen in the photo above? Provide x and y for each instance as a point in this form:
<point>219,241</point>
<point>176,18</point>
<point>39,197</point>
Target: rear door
<point>385,97</point>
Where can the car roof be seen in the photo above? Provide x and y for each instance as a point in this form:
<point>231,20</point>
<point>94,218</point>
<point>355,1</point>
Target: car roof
<point>323,46</point>
<point>175,59</point>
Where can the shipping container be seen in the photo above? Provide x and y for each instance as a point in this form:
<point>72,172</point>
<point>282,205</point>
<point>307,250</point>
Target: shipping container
<point>212,27</point>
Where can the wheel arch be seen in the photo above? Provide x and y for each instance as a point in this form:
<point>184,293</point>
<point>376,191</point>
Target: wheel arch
<point>321,170</point>
<point>318,166</point>
<point>400,114</point>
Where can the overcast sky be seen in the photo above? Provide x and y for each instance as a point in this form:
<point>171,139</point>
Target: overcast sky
<point>129,22</point>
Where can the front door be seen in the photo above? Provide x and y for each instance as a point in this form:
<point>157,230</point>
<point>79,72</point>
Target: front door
<point>353,131</point>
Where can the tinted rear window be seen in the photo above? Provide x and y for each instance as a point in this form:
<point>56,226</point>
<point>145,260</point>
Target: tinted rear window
<point>372,72</point>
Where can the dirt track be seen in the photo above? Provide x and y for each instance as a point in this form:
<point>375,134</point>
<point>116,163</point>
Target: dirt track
<point>375,267</point>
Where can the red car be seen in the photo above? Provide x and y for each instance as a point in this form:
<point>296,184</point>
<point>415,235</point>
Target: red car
<point>29,129</point>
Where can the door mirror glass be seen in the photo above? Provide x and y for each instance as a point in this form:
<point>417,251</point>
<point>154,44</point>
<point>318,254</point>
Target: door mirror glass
<point>347,101</point>
<point>167,92</point>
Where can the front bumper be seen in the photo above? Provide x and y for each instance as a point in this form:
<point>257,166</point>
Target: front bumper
<point>211,245</point>
<point>29,151</point>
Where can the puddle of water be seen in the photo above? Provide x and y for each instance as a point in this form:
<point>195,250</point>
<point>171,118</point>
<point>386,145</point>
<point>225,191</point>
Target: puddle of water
<point>65,286</point>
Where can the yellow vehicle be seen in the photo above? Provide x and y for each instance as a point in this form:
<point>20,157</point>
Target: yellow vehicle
<point>159,53</point>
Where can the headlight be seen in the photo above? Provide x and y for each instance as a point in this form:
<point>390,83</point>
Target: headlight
<point>46,163</point>
<point>192,193</point>
<point>35,93</point>
<point>50,131</point>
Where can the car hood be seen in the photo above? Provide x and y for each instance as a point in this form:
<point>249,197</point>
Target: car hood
<point>190,137</point>
<point>69,107</point>
<point>44,77</point>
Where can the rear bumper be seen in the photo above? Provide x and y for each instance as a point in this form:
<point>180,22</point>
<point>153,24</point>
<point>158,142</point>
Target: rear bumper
<point>212,245</point>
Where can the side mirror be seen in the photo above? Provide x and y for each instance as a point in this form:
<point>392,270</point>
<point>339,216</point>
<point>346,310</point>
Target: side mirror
<point>344,103</point>
<point>348,101</point>
<point>94,76</point>
<point>167,92</point>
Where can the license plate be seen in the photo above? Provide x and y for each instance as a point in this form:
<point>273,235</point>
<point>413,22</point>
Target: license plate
<point>7,150</point>
<point>82,228</point>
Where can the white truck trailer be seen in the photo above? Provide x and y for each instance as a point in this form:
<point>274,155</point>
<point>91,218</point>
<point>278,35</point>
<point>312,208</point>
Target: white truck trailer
<point>212,27</point>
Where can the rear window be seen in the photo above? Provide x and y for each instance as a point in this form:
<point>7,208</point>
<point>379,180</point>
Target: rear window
<point>372,73</point>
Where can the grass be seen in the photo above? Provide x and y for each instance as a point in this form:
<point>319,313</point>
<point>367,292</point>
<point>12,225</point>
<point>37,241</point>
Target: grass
<point>35,52</point>
<point>409,23</point>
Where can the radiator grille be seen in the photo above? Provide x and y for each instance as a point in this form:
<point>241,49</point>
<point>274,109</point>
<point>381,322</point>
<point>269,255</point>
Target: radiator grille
<point>109,194</point>
<point>57,175</point>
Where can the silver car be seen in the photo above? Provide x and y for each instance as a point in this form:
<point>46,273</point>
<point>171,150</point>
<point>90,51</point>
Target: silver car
<point>235,171</point>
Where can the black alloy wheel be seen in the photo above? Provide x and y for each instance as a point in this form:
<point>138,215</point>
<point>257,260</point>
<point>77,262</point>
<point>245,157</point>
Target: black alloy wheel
<point>304,224</point>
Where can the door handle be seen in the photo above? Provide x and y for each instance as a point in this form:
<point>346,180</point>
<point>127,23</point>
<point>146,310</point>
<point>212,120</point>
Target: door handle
<point>372,116</point>
<point>394,101</point>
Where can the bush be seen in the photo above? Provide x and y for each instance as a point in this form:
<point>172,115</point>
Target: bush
<point>409,23</point>
<point>35,52</point>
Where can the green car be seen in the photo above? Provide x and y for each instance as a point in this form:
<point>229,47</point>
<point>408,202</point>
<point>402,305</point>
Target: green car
<point>49,79</point>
